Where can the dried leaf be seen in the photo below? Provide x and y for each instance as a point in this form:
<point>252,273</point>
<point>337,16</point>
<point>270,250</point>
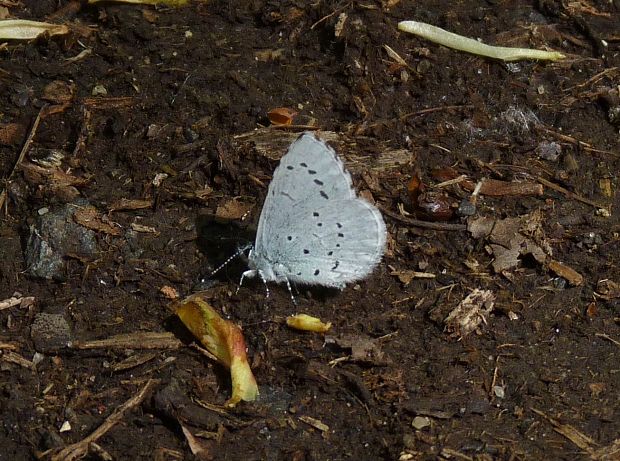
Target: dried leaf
<point>58,92</point>
<point>199,450</point>
<point>281,116</point>
<point>169,292</point>
<point>607,289</point>
<point>307,323</point>
<point>21,29</point>
<point>232,210</point>
<point>269,55</point>
<point>11,133</point>
<point>363,349</point>
<point>90,218</point>
<point>224,340</point>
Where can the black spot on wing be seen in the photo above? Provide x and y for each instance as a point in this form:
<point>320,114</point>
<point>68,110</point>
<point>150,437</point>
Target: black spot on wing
<point>324,195</point>
<point>319,182</point>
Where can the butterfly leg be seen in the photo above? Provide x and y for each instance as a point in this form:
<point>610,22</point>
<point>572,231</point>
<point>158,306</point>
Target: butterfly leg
<point>262,277</point>
<point>290,291</point>
<point>249,274</point>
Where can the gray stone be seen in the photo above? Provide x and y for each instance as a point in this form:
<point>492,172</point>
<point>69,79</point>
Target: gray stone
<point>53,236</point>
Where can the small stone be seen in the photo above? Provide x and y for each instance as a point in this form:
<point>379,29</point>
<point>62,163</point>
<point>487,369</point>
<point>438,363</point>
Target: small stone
<point>549,151</point>
<point>466,208</point>
<point>50,333</point>
<point>53,236</point>
<point>499,392</point>
<point>99,90</point>
<point>66,427</point>
<point>420,422</point>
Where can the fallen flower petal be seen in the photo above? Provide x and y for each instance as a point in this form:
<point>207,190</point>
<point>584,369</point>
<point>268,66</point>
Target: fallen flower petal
<point>224,340</point>
<point>307,323</point>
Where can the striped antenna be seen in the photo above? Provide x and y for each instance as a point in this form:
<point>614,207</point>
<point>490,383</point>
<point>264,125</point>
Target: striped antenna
<point>238,253</point>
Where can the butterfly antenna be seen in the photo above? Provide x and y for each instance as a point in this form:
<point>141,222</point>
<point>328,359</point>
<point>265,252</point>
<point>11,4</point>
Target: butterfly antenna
<point>238,253</point>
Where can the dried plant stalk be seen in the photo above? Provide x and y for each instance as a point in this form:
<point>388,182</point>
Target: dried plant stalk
<point>469,45</point>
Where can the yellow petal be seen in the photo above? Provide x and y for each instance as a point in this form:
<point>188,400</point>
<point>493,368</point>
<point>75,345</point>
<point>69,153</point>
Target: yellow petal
<point>307,323</point>
<point>224,340</point>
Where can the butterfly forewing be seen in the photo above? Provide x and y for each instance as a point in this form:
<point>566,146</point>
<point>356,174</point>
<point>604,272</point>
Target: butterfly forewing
<point>309,173</point>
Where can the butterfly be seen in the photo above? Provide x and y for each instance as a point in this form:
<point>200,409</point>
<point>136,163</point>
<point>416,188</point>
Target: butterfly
<point>313,229</point>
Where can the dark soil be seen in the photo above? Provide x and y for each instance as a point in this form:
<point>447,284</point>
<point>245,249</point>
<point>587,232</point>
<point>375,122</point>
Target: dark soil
<point>180,86</point>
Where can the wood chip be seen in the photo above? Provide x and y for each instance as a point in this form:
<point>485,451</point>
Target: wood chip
<point>571,275</point>
<point>13,357</point>
<point>131,204</point>
<point>470,313</point>
<point>138,340</point>
<point>317,424</point>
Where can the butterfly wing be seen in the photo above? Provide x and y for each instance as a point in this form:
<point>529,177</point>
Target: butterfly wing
<point>340,242</point>
<point>309,174</point>
<point>312,228</point>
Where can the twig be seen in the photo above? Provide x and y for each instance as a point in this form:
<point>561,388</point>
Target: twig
<point>424,224</point>
<point>435,109</point>
<point>79,449</point>
<point>14,357</point>
<point>22,154</point>
<point>325,18</point>
<point>593,79</point>
<point>608,338</point>
<point>584,145</point>
<point>568,193</point>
